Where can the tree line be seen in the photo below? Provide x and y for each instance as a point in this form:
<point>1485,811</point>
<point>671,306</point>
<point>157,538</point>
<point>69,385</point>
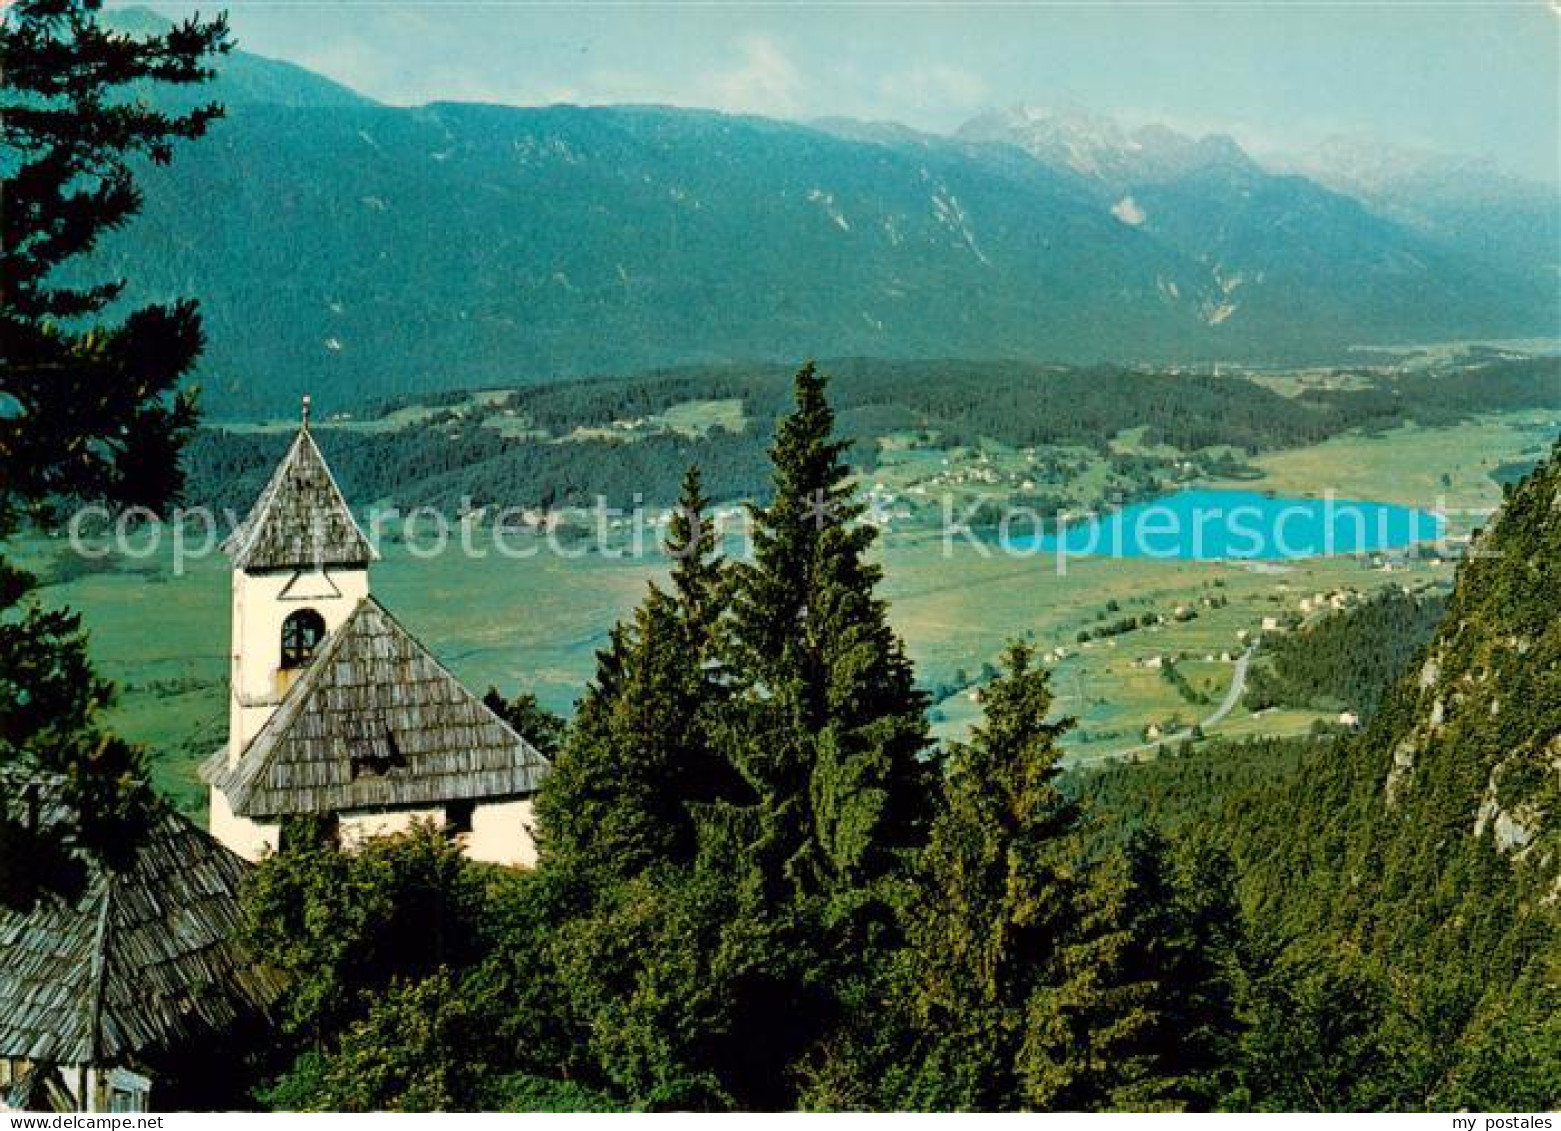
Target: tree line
<point>761,886</point>
<point>455,456</point>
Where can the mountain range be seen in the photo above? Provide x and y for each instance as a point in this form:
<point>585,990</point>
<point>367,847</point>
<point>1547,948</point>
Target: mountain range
<point>358,250</point>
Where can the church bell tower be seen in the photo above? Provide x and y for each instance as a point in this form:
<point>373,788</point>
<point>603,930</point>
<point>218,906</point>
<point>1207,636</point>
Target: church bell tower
<point>300,567</point>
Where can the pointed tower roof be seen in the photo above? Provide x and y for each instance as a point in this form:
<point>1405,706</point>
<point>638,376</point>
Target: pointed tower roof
<point>301,519</point>
<point>375,721</point>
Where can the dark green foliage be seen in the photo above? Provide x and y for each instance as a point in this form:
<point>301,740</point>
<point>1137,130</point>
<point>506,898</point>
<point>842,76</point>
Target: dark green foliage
<point>1405,873</point>
<point>624,789</point>
<point>532,721</point>
<point>1318,1042</point>
<point>1347,660</point>
<point>51,704</point>
<point>86,410</point>
<point>1190,694</point>
<point>1036,973</point>
<point>401,957</point>
<point>1023,403</point>
<point>347,925</point>
<point>523,1092</point>
<point>1184,791</point>
<point>758,891</point>
<point>669,977</point>
<point>428,465</point>
<point>1014,941</point>
<point>637,759</point>
<point>1186,941</point>
<point>698,575</point>
<point>1511,1055</point>
<point>721,820</point>
<point>419,1048</point>
<point>834,731</point>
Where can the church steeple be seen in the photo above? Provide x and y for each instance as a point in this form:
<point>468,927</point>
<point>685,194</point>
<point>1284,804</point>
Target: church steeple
<point>336,709</point>
<point>300,520</point>
<point>300,568</point>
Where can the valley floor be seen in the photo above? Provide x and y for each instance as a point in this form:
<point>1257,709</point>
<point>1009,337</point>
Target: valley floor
<point>535,624</point>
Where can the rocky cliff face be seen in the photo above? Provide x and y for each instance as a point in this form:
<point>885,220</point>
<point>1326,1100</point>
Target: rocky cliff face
<point>1473,736</point>
<point>1433,847</point>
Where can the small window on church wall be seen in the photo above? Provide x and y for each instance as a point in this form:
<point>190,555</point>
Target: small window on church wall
<point>301,635</point>
<point>458,816</point>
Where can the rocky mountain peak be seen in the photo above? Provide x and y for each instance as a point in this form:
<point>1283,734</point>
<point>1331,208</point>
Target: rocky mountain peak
<point>1100,148</point>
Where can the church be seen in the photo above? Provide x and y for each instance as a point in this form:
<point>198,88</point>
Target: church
<point>336,710</point>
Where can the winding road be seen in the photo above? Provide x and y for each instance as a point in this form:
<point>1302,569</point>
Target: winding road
<point>1238,684</point>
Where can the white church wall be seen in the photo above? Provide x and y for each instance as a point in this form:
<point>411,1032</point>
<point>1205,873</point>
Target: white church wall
<point>355,828</point>
<point>250,839</point>
<point>502,833</point>
<point>499,831</point>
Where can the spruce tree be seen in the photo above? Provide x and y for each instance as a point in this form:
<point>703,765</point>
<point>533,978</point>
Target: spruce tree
<point>51,703</point>
<point>698,570</point>
<point>621,793</point>
<point>1013,935</point>
<point>532,721</point>
<point>1185,943</point>
<point>833,729</point>
<point>93,407</point>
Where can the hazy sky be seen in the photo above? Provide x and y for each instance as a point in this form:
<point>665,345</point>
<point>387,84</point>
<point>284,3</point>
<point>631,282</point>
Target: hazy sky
<point>1475,78</point>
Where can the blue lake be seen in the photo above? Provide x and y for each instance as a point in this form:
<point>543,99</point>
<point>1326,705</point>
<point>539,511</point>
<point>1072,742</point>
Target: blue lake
<point>1206,525</point>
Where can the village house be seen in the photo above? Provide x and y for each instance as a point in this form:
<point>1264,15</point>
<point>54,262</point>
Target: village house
<point>336,710</point>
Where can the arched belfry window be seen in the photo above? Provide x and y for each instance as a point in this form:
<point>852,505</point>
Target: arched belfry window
<point>301,635</point>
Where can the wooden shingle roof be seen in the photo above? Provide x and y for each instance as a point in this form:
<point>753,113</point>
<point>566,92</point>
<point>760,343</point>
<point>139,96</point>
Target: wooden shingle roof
<point>300,519</point>
<point>144,958</point>
<point>375,722</point>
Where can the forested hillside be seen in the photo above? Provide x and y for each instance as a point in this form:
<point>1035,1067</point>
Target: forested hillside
<point>1348,660</point>
<point>557,444</point>
<point>1407,879</point>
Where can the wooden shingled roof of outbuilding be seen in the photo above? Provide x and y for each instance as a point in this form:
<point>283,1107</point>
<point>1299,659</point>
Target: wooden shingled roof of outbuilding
<point>300,520</point>
<point>375,722</point>
<point>144,958</point>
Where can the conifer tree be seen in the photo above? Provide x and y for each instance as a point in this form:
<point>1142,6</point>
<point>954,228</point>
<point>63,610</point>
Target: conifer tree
<point>639,756</point>
<point>1013,935</point>
<point>51,702</point>
<point>89,409</point>
<point>1184,947</point>
<point>532,721</point>
<point>698,571</point>
<point>92,409</point>
<point>834,727</point>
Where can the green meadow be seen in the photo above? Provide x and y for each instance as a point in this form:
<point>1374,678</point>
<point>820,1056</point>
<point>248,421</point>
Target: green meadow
<point>1414,466</point>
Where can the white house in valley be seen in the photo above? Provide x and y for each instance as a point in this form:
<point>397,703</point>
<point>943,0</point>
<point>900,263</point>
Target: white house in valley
<point>336,710</point>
